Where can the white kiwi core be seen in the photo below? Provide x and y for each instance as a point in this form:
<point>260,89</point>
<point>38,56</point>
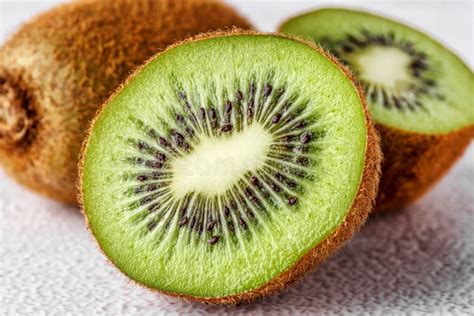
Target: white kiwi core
<point>386,66</point>
<point>218,163</point>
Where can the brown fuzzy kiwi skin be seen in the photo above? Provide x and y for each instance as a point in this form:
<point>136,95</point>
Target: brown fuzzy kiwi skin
<point>59,67</point>
<point>413,163</point>
<point>360,209</point>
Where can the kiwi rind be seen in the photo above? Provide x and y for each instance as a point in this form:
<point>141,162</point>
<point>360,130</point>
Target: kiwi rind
<point>356,216</point>
<point>68,60</point>
<point>413,161</point>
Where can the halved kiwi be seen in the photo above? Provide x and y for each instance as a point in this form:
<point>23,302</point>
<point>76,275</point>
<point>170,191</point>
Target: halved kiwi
<point>60,66</point>
<point>228,166</point>
<point>419,94</point>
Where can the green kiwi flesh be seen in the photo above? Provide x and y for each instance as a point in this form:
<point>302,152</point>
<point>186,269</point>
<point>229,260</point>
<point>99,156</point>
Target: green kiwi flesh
<point>412,82</point>
<point>221,162</point>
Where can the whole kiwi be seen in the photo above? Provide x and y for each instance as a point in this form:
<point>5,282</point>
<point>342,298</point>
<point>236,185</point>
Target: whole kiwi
<point>59,67</point>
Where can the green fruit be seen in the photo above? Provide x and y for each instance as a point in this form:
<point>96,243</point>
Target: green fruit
<point>228,166</point>
<point>419,93</point>
<point>60,66</point>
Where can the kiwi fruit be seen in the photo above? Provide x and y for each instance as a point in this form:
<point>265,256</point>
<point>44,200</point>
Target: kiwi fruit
<point>58,68</point>
<point>419,94</point>
<point>228,166</point>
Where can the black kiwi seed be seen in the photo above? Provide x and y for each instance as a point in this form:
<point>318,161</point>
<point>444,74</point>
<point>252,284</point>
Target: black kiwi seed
<point>347,49</point>
<point>276,118</point>
<point>249,113</point>
<point>254,180</point>
<point>182,95</point>
<point>267,90</point>
<point>152,133</point>
<point>179,118</point>
<point>275,187</point>
<point>210,226</point>
<point>183,221</point>
<point>160,157</point>
<point>353,40</point>
<point>138,160</point>
<point>239,95</point>
<point>213,240</point>
<point>302,161</point>
<point>152,225</point>
<point>142,177</point>
<point>253,89</point>
<point>151,187</point>
<point>397,103</point>
<point>292,184</point>
<point>248,192</point>
<point>190,132</point>
<point>228,107</point>
<point>301,124</point>
<point>153,164</point>
<point>279,176</point>
<point>242,223</point>
<point>292,200</point>
<point>163,142</point>
<point>178,137</point>
<point>305,138</point>
<point>226,128</point>
<point>202,113</point>
<point>287,106</point>
<point>153,208</point>
<point>142,145</point>
<point>212,114</point>
<point>430,82</point>
<point>385,100</point>
<point>200,228</point>
<point>226,211</point>
<point>146,200</point>
<point>418,64</point>
<point>155,175</point>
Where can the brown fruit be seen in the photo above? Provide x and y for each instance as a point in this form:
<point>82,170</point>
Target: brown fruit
<point>58,68</point>
<point>413,163</point>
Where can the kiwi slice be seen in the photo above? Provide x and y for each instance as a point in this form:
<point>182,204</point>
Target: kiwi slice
<point>59,67</point>
<point>228,166</point>
<point>419,93</point>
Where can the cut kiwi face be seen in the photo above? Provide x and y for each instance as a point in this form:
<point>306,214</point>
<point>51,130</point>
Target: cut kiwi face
<point>419,93</point>
<point>228,166</point>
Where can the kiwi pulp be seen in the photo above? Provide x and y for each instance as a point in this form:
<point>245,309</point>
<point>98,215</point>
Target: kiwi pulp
<point>228,166</point>
<point>60,66</point>
<point>419,94</point>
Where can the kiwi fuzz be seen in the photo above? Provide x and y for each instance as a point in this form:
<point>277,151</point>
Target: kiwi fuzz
<point>17,115</point>
<point>426,159</point>
<point>61,65</point>
<point>357,214</point>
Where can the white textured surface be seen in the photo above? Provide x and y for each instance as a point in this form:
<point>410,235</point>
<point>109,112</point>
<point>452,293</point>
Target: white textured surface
<point>419,261</point>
